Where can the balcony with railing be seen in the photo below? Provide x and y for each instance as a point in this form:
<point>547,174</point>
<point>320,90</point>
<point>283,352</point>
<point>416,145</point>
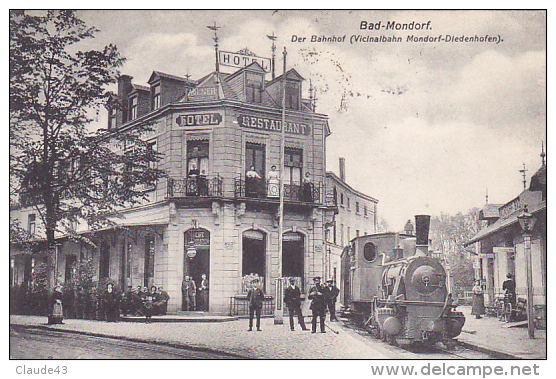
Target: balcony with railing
<point>195,186</point>
<point>267,190</point>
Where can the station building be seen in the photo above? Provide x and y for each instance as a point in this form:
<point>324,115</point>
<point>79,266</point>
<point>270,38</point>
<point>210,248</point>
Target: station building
<point>500,244</point>
<point>209,216</point>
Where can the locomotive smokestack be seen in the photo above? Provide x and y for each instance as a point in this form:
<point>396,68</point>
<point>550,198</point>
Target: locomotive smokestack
<point>422,224</point>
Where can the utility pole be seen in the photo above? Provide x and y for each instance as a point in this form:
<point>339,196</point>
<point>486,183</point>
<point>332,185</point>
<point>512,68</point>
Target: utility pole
<point>279,309</point>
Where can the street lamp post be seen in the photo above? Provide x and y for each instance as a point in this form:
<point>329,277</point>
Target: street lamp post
<point>527,221</point>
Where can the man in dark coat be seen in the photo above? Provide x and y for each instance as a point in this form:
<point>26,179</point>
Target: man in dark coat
<point>509,288</point>
<point>111,303</point>
<point>255,297</point>
<point>318,305</point>
<point>189,294</point>
<point>292,299</point>
<point>331,292</point>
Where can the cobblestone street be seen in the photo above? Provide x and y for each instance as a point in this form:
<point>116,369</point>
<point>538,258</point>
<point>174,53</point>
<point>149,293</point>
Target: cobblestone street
<point>273,342</point>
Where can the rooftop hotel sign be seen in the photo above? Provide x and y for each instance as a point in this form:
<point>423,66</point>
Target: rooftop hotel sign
<point>238,60</point>
<point>273,125</point>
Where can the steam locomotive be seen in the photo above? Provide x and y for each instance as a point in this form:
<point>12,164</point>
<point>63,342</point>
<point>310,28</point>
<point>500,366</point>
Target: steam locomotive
<point>391,280</point>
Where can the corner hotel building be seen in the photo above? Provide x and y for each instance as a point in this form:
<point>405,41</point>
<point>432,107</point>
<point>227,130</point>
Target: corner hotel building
<point>206,217</point>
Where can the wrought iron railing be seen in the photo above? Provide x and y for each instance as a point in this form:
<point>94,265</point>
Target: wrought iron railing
<point>239,305</point>
<point>207,186</point>
<point>261,189</point>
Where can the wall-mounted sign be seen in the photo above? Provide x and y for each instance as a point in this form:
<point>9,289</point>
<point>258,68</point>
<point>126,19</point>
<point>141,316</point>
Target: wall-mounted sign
<point>197,238</point>
<point>203,94</point>
<point>486,255</point>
<point>503,250</point>
<point>238,60</point>
<point>273,125</point>
<point>199,119</point>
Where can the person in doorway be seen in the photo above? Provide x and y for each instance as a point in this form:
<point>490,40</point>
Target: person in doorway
<point>273,189</point>
<point>204,293</point>
<point>509,289</point>
<point>255,298</point>
<point>292,299</point>
<point>331,292</point>
<point>478,308</point>
<point>318,305</point>
<point>189,292</point>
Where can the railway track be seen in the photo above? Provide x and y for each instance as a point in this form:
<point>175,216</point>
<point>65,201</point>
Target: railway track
<point>456,350</point>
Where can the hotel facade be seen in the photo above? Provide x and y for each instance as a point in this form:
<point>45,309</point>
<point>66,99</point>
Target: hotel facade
<point>217,211</point>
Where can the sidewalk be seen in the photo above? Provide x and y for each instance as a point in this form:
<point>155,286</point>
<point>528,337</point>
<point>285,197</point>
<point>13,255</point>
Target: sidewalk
<point>490,334</point>
<point>274,342</point>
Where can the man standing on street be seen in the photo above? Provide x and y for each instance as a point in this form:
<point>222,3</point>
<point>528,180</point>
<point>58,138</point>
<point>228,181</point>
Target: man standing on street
<point>189,292</point>
<point>292,299</point>
<point>255,297</point>
<point>318,305</point>
<point>331,292</point>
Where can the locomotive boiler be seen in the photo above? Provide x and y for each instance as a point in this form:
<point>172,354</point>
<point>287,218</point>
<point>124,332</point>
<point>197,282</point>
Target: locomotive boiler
<point>399,289</point>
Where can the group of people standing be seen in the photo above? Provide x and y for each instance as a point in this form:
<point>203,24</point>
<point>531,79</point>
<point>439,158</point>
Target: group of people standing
<point>322,298</point>
<point>112,303</point>
<point>189,294</point>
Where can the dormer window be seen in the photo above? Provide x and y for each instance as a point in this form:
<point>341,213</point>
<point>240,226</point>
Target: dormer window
<point>292,95</point>
<point>254,87</point>
<point>133,108</point>
<point>155,93</point>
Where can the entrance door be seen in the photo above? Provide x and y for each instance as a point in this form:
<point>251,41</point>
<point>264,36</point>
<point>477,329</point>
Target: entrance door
<point>197,260</point>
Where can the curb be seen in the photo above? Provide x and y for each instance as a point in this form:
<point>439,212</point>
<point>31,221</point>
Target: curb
<point>483,349</point>
<point>133,339</point>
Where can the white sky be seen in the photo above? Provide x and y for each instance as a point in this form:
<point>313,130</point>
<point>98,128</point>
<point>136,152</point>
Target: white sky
<point>430,126</point>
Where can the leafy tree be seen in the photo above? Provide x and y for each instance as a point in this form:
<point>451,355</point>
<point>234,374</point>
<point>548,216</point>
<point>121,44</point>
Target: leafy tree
<point>59,165</point>
<point>448,234</point>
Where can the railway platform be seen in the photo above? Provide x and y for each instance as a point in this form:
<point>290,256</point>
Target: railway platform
<point>506,339</point>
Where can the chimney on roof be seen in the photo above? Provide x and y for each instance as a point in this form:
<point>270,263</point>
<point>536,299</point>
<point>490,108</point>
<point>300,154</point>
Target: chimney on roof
<point>343,169</point>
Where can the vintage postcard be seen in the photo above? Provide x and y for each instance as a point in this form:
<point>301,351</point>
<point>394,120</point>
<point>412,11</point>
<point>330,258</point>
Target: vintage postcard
<point>279,184</point>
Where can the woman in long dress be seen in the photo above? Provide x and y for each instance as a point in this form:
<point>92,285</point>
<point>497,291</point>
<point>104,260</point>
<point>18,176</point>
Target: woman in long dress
<point>478,308</point>
<point>273,189</point>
